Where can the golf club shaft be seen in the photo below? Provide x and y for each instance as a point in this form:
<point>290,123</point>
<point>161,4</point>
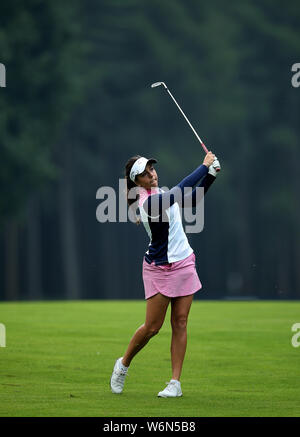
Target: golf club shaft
<point>197,136</point>
<point>157,84</point>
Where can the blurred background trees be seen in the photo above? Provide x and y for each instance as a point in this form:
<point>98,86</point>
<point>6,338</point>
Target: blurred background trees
<point>78,104</point>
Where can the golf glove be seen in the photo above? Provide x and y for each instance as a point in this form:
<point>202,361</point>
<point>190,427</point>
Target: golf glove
<point>212,168</point>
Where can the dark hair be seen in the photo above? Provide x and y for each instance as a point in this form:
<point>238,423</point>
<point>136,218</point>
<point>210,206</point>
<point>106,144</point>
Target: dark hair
<point>130,184</point>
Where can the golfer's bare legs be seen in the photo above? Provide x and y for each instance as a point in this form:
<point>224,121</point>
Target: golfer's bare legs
<point>180,307</point>
<point>155,315</point>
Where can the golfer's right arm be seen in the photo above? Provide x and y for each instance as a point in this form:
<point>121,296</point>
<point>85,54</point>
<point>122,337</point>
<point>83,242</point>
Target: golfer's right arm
<point>201,171</point>
<point>157,203</point>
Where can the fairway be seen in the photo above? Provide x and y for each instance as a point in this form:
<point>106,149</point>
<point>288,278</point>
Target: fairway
<point>59,357</point>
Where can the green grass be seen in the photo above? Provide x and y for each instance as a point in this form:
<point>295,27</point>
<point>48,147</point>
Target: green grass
<point>59,357</point>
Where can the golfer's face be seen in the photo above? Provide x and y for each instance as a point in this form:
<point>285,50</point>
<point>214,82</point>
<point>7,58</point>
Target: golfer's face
<point>147,179</point>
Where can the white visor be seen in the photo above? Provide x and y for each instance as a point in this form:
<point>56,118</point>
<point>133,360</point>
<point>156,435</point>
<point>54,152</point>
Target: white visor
<point>139,166</point>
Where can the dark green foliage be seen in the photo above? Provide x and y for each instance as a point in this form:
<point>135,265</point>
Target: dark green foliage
<point>41,48</point>
<point>78,101</point>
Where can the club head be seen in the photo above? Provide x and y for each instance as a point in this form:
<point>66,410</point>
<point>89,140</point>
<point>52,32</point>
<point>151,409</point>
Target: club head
<point>154,85</point>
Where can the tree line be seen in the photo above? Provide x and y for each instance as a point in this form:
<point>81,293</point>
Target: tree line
<point>78,103</point>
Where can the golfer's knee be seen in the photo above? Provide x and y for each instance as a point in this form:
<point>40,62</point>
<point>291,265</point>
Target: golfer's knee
<point>179,323</point>
<point>152,330</point>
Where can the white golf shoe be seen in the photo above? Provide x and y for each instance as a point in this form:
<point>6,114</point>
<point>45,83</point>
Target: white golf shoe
<point>118,377</point>
<point>172,390</point>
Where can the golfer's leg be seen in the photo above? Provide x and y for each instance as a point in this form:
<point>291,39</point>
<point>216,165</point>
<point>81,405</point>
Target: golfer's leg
<point>179,315</point>
<point>155,315</point>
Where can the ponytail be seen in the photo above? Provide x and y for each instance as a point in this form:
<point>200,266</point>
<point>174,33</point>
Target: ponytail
<point>130,184</point>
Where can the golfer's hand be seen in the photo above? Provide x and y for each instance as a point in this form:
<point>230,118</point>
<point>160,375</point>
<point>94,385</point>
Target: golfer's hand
<point>214,168</point>
<point>209,159</point>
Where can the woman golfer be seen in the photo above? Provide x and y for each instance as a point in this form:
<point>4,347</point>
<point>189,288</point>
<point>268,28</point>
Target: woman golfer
<point>169,271</point>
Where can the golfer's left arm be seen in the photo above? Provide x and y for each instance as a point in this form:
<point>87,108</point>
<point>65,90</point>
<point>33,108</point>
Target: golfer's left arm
<point>191,199</point>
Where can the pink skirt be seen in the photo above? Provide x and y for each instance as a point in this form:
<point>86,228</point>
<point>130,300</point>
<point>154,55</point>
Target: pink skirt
<point>172,280</point>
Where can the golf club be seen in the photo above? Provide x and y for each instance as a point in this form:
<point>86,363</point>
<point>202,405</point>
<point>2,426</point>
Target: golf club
<point>156,84</point>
